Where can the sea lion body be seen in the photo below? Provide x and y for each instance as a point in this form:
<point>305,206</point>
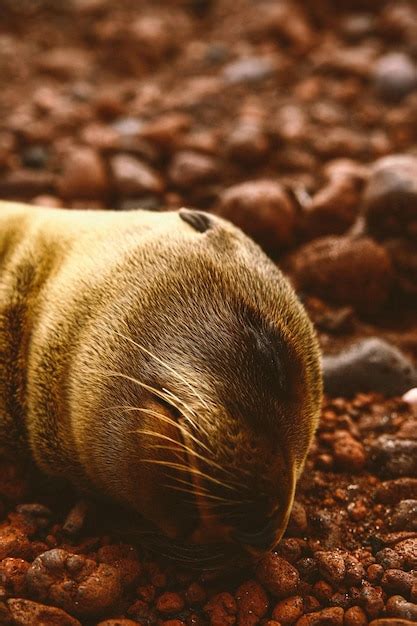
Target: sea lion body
<point>139,349</point>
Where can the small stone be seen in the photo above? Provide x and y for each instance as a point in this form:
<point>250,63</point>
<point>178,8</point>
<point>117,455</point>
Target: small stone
<point>349,454</point>
<point>393,491</point>
<point>391,621</point>
<point>389,559</point>
<point>247,141</point>
<point>64,63</point>
<point>355,616</point>
<point>326,617</point>
<point>84,175</point>
<point>371,364</point>
<point>13,542</point>
<point>169,602</point>
<point>88,589</point>
<point>262,210</point>
<point>249,70</point>
<point>252,603</point>
<point>28,613</point>
<point>405,515</point>
<point>394,76</point>
<point>13,575</point>
<point>221,609</point>
<point>394,457</point>
<point>118,622</point>
<point>288,611</point>
<point>124,559</point>
<point>297,524</point>
<point>35,157</point>
<point>26,183</point>
<point>390,197</point>
<point>396,581</point>
<point>354,272</point>
<point>331,566</point>
<point>277,575</point>
<point>191,168</point>
<point>355,571</point>
<point>397,606</point>
<point>403,255</point>
<point>410,397</point>
<point>407,551</point>
<point>371,599</point>
<point>131,176</point>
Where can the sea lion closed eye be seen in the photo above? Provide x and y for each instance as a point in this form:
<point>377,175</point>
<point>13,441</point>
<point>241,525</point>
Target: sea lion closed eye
<point>163,361</point>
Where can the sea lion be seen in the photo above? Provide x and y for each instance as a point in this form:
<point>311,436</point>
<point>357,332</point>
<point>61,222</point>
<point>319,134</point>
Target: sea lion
<point>163,361</point>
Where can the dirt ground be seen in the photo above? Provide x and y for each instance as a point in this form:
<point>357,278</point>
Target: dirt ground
<point>297,121</point>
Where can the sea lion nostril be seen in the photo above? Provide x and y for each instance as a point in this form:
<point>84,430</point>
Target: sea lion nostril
<point>262,538</point>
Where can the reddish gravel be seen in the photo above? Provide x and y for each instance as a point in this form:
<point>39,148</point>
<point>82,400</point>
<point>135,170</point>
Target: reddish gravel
<point>298,121</point>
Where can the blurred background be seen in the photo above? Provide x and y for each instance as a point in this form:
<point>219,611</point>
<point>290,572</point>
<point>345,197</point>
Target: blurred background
<point>280,115</point>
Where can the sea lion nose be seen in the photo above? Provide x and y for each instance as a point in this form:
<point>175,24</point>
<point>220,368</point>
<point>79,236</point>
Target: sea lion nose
<point>261,540</point>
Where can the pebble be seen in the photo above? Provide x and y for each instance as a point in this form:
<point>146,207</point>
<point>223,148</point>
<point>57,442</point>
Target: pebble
<point>326,617</point>
<point>404,516</point>
<point>371,599</point>
<point>403,255</point>
<point>346,271</point>
<point>397,606</point>
<point>349,454</point>
<point>26,183</point>
<point>124,559</point>
<point>252,603</point>
<point>75,583</point>
<point>288,611</point>
<point>394,457</point>
<point>28,613</point>
<point>407,551</point>
<point>221,609</point>
<point>84,175</point>
<point>13,575</point>
<point>298,523</point>
<point>396,581</point>
<point>132,176</point>
<point>169,602</point>
<point>393,491</point>
<point>331,566</point>
<point>263,210</point>
<point>249,70</point>
<point>355,616</point>
<point>118,622</point>
<point>390,197</point>
<point>371,364</point>
<point>391,621</point>
<point>277,575</point>
<point>247,141</point>
<point>189,168</point>
<point>394,76</point>
<point>13,542</point>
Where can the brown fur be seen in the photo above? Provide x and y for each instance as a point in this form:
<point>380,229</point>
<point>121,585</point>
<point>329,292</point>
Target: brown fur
<point>81,291</point>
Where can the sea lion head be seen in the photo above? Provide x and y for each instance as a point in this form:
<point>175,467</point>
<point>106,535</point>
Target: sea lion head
<point>205,390</point>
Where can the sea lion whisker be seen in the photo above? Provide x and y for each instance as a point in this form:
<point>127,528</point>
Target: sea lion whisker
<point>168,367</point>
<point>187,469</point>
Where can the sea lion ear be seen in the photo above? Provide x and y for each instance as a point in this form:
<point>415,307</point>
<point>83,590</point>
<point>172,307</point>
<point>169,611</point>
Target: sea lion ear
<point>197,219</point>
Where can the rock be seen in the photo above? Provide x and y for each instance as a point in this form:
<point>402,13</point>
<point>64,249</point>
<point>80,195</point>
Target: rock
<point>391,621</point>
<point>297,524</point>
<point>283,22</point>
<point>355,616</point>
<point>262,210</point>
<point>277,575</point>
<point>64,63</point>
<point>75,583</point>
<point>288,611</point>
<point>349,454</point>
<point>252,603</point>
<point>249,70</point>
<point>369,365</point>
<point>35,157</point>
<point>390,197</point>
<point>371,599</point>
<point>28,613</point>
<point>124,559</point>
<point>195,594</point>
<point>166,130</point>
<point>394,76</point>
<point>118,622</point>
<point>13,542</point>
<point>407,551</point>
<point>394,457</point>
<point>404,516</point>
<point>331,566</point>
<point>393,491</point>
<point>132,176</point>
<point>389,559</point>
<point>169,602</point>
<point>397,606</point>
<point>346,271</point>
<point>221,609</point>
<point>191,168</point>
<point>13,575</point>
<point>403,255</point>
<point>247,141</point>
<point>396,581</point>
<point>84,175</point>
<point>326,617</point>
<point>25,183</point>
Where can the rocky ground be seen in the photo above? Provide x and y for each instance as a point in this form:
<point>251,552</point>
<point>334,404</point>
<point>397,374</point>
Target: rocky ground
<point>297,121</point>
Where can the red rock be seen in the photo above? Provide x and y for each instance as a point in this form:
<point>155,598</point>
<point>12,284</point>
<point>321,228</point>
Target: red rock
<point>191,168</point>
<point>394,76</point>
<point>288,611</point>
<point>64,63</point>
<point>355,616</point>
<point>13,542</point>
<point>356,272</point>
<point>28,613</point>
<point>221,610</point>
<point>331,566</point>
<point>391,621</point>
<point>371,599</point>
<point>13,575</point>
<point>277,575</point>
<point>326,617</point>
<point>84,175</point>
<point>118,622</point>
<point>407,551</point>
<point>262,210</point>
<point>195,594</point>
<point>25,183</point>
<point>297,524</point>
<point>393,491</point>
<point>134,177</point>
<point>349,454</point>
<point>169,602</point>
<point>397,606</point>
<point>124,559</point>
<point>252,603</point>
